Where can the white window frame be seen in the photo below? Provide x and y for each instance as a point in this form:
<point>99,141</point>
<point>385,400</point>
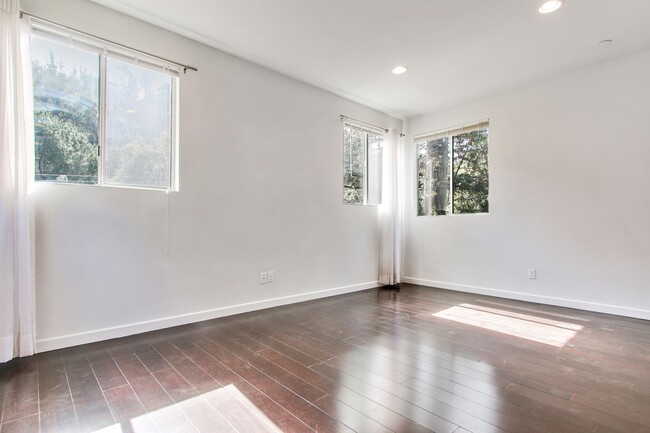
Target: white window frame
<point>447,133</point>
<point>82,41</point>
<point>367,129</point>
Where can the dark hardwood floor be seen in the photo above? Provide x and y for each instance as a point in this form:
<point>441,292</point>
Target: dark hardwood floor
<point>413,360</point>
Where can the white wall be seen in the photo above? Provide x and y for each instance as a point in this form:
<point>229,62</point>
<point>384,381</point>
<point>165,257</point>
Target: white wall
<point>260,189</point>
<point>569,195</point>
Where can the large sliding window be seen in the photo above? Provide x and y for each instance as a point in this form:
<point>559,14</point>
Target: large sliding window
<point>362,165</point>
<point>102,117</point>
<point>452,169</point>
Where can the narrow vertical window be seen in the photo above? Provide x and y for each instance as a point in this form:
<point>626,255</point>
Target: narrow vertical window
<point>362,165</point>
<point>433,177</point>
<point>354,157</point>
<point>452,170</point>
<point>470,172</point>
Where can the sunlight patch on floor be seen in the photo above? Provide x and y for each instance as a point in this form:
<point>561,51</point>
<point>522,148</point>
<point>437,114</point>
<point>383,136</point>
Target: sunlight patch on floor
<point>542,330</point>
<point>224,396</point>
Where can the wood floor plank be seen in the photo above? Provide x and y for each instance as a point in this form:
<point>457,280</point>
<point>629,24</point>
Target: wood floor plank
<point>106,370</point>
<point>200,413</point>
<point>286,378</point>
<point>172,419</point>
<point>308,375</point>
<point>174,384</point>
<point>192,373</point>
<point>599,405</point>
<point>310,414</point>
<point>216,369</point>
<point>456,410</point>
<point>238,411</point>
<point>21,402</point>
<point>53,389</point>
<point>349,416</point>
<point>150,358</point>
<point>28,424</point>
<point>289,351</point>
<point>383,415</point>
<point>146,387</point>
<point>205,417</point>
<point>128,410</point>
<point>490,409</point>
<point>61,421</point>
<point>124,404</point>
<point>614,422</point>
<point>406,408</point>
<point>276,414</point>
<point>90,405</point>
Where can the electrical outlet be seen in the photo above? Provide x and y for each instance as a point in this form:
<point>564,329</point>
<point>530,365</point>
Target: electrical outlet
<point>532,274</point>
<point>270,276</point>
<point>263,277</point>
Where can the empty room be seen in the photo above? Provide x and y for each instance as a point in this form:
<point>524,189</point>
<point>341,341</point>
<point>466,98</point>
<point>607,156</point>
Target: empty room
<point>364,216</point>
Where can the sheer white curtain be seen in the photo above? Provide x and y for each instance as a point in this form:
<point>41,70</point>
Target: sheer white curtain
<point>390,218</point>
<point>16,172</point>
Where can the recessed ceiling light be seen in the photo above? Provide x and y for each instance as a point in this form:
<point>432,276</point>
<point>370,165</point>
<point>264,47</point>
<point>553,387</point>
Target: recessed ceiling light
<point>399,69</point>
<point>550,6</point>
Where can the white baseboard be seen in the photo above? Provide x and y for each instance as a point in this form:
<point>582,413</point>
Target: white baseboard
<point>636,313</point>
<point>69,340</point>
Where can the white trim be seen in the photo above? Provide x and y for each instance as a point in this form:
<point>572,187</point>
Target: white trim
<point>363,126</point>
<point>62,341</point>
<point>618,310</point>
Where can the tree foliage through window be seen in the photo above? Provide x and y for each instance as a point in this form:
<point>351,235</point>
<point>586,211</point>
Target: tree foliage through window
<point>362,165</point>
<point>453,173</point>
<point>470,173</point>
<point>66,118</point>
<point>137,121</point>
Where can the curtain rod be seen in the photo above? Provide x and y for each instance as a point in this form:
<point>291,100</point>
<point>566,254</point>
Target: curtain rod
<point>185,67</point>
<point>344,118</point>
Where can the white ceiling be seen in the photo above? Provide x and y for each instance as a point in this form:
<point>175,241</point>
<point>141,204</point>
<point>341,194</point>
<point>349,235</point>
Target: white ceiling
<point>456,50</point>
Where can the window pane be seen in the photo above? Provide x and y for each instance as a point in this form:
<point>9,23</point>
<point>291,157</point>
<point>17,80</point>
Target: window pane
<point>470,176</point>
<point>433,177</point>
<point>354,143</point>
<point>66,95</point>
<point>138,125</point>
<point>375,158</point>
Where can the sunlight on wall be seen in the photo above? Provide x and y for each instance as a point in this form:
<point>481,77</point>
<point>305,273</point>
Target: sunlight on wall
<point>228,394</point>
<point>533,328</point>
